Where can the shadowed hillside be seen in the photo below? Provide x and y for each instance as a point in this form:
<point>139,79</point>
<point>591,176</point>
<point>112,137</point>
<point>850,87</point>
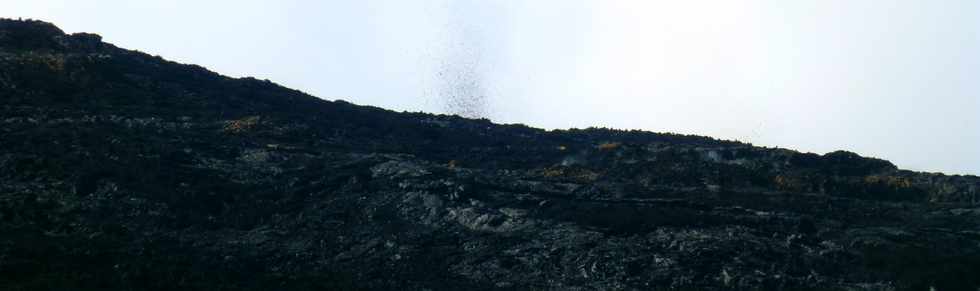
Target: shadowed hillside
<point>124,171</point>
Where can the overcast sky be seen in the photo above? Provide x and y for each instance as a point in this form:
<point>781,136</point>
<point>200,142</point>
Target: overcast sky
<point>894,79</point>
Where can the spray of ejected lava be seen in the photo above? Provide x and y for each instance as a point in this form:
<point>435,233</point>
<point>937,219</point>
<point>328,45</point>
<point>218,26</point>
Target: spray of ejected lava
<point>462,64</point>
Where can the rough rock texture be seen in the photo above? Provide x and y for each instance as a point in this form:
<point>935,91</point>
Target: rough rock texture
<point>120,170</point>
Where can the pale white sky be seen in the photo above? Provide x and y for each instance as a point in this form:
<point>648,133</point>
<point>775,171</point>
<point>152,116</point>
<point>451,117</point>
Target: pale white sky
<point>894,79</point>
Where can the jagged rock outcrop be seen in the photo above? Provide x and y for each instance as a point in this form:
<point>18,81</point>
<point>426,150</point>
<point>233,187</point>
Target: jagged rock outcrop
<point>124,171</point>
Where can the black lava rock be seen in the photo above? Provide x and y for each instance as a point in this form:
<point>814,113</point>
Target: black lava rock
<point>124,171</point>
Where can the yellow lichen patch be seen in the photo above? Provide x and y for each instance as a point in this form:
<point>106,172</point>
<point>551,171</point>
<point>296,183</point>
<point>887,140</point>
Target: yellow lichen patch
<point>575,174</point>
<point>891,181</point>
<point>780,181</point>
<point>55,63</point>
<point>584,175</point>
<point>553,172</point>
<point>788,183</point>
<point>242,125</point>
<point>608,146</point>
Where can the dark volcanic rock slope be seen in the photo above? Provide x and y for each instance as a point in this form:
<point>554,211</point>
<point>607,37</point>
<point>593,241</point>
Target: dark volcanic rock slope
<point>121,170</point>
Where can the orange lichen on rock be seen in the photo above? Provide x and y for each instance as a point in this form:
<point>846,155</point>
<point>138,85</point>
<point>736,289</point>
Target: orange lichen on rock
<point>608,146</point>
